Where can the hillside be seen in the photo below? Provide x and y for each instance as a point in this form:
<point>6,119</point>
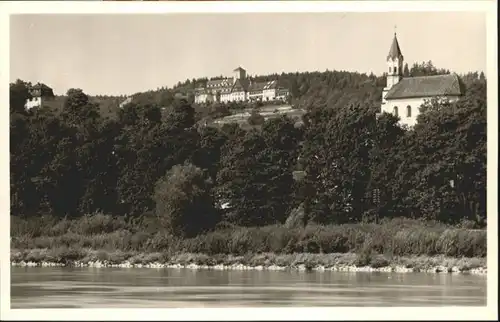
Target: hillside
<point>108,105</point>
<point>334,88</point>
<point>268,112</point>
<point>331,89</point>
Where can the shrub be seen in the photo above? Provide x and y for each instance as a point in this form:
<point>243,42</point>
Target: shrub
<point>31,226</point>
<point>183,202</point>
<point>98,223</point>
<point>379,261</point>
<point>160,242</point>
<point>392,238</point>
<point>278,237</point>
<point>364,257</point>
<point>61,227</point>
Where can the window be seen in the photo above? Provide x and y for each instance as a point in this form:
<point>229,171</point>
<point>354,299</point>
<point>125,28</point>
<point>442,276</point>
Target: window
<point>408,111</point>
<point>390,69</point>
<point>395,111</point>
<point>395,70</point>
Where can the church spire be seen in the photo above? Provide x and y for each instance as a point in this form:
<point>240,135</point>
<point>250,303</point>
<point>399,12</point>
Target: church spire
<point>395,51</point>
<point>394,63</point>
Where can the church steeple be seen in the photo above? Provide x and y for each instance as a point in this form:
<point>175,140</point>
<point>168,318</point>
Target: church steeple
<point>395,51</point>
<point>394,62</point>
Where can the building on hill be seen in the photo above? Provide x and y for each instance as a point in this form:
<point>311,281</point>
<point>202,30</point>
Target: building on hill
<point>404,96</point>
<point>239,88</point>
<point>39,93</point>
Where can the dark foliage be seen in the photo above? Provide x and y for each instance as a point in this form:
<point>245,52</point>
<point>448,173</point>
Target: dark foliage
<point>78,158</point>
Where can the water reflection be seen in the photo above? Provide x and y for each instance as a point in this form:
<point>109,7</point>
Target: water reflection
<point>143,287</point>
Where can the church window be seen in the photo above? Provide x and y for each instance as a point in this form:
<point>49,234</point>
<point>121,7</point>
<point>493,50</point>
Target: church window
<point>395,111</point>
<point>408,111</point>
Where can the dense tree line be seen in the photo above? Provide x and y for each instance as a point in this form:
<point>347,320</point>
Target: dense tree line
<point>152,159</point>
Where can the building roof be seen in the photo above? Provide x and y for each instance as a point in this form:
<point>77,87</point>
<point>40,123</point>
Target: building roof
<point>426,86</point>
<point>40,89</point>
<point>224,82</point>
<point>238,69</point>
<point>240,85</point>
<point>254,87</point>
<point>271,85</point>
<point>395,51</point>
<point>227,86</point>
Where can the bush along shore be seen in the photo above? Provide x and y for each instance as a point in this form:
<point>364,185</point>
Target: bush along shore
<point>398,245</point>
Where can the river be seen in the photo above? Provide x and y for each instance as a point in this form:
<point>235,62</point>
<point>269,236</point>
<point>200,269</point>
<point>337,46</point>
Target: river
<point>40,287</point>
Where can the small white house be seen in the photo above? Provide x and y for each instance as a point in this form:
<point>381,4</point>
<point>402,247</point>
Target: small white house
<point>39,94</point>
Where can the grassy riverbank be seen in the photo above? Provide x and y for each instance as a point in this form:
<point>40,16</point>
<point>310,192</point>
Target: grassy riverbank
<point>102,238</point>
<point>264,261</point>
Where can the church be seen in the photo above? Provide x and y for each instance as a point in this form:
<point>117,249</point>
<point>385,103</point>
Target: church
<point>403,97</point>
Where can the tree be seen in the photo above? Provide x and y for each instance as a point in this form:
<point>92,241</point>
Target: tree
<point>180,115</point>
<point>256,173</point>
<point>336,155</point>
<point>147,146</point>
<point>384,188</point>
<point>255,119</point>
<point>183,201</point>
<point>406,71</point>
<point>78,110</point>
<point>426,69</point>
<point>43,167</point>
<point>210,146</point>
<point>19,93</point>
<point>449,153</point>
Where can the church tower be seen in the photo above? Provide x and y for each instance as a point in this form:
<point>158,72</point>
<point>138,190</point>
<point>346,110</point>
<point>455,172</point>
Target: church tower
<point>394,67</point>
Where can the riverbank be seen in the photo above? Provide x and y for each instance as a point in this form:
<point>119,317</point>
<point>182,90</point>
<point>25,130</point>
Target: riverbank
<point>348,262</point>
<point>400,245</point>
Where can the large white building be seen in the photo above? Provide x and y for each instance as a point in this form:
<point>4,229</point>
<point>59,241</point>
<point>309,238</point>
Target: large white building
<point>239,88</point>
<point>404,96</point>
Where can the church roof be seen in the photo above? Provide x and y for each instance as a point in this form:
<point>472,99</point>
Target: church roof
<point>426,86</point>
<point>395,51</point>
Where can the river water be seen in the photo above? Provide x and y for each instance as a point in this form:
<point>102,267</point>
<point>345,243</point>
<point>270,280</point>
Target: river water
<point>39,287</point>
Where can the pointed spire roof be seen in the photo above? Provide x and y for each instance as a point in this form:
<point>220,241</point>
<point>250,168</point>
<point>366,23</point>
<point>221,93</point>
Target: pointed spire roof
<point>395,51</point>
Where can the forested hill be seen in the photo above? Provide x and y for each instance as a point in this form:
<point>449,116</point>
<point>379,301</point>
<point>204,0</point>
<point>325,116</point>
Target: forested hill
<point>150,160</point>
<point>108,105</point>
<point>333,89</point>
<point>328,88</point>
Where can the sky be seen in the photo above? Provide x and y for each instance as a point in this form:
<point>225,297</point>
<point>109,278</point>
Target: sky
<point>124,54</point>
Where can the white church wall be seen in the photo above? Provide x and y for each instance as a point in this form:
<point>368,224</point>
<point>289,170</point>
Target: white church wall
<point>402,108</point>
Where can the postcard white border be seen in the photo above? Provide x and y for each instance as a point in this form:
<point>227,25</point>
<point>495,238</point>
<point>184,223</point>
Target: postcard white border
<point>97,7</point>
